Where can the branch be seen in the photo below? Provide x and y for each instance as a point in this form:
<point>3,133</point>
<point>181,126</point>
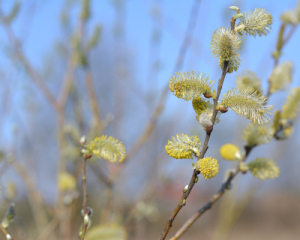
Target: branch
<point>5,233</point>
<point>85,195</point>
<point>203,151</point>
<point>212,200</point>
<point>93,101</point>
<point>37,79</point>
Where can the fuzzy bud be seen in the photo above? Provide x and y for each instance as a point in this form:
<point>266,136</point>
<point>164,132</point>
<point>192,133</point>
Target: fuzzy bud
<point>234,8</point>
<point>8,237</point>
<point>86,219</point>
<point>82,141</point>
<point>186,188</point>
<point>205,122</point>
<point>183,202</point>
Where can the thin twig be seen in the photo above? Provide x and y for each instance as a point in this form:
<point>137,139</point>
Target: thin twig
<point>84,204</point>
<point>5,233</point>
<point>93,101</point>
<point>212,200</point>
<point>185,194</point>
<point>290,34</point>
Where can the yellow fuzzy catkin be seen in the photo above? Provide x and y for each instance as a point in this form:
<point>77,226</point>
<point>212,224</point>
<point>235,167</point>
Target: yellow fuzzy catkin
<point>208,167</point>
<point>247,103</point>
<point>263,168</point>
<point>230,152</point>
<point>250,80</point>
<point>190,85</point>
<point>225,45</point>
<point>255,23</point>
<point>108,148</point>
<point>257,135</point>
<point>183,146</point>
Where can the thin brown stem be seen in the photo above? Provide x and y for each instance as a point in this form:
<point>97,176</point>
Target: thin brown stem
<point>84,204</point>
<point>5,233</point>
<point>93,101</point>
<point>186,193</point>
<point>290,34</point>
<point>212,200</point>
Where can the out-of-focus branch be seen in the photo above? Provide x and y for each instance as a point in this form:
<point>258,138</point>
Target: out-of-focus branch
<point>93,101</point>
<point>34,197</point>
<point>35,76</point>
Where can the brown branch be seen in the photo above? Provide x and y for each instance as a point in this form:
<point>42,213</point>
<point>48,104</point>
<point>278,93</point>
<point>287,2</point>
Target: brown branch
<point>84,204</point>
<point>290,34</point>
<point>35,198</point>
<point>185,194</point>
<point>5,233</point>
<point>212,200</point>
<point>93,101</point>
<point>225,185</point>
<point>37,79</point>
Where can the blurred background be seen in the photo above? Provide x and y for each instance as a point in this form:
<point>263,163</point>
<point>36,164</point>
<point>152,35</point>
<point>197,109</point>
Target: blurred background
<point>70,68</point>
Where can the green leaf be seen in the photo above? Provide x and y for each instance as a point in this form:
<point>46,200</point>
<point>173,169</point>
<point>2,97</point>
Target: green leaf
<point>190,85</point>
<point>106,232</point>
<point>263,168</point>
<point>108,148</point>
<point>181,147</point>
<point>246,102</point>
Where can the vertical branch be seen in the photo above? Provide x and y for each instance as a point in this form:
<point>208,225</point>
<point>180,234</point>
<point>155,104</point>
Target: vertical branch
<point>84,204</point>
<point>186,193</point>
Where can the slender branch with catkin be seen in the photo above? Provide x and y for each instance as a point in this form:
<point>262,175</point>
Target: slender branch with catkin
<point>254,135</point>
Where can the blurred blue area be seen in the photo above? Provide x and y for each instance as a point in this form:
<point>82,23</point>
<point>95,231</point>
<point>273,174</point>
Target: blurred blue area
<point>40,28</point>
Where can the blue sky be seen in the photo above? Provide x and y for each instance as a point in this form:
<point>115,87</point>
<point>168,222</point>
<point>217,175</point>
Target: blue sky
<point>41,29</point>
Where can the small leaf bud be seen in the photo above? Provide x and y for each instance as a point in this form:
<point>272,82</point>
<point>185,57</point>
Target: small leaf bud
<point>86,219</point>
<point>82,141</point>
<point>234,8</point>
<point>196,179</point>
<point>238,15</point>
<point>8,237</point>
<point>186,188</point>
<point>183,202</point>
<point>222,109</point>
<point>207,95</point>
